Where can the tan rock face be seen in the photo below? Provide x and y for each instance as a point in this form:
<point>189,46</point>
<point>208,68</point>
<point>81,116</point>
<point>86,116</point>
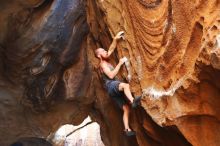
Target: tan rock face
<point>171,46</point>
<point>49,76</point>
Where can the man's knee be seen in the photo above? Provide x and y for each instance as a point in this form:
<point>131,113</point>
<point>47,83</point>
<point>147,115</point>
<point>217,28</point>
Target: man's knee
<point>125,108</point>
<point>127,85</point>
<point>124,85</point>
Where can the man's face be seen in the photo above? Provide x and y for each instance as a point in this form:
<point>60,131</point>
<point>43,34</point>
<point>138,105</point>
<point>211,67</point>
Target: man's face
<point>103,53</point>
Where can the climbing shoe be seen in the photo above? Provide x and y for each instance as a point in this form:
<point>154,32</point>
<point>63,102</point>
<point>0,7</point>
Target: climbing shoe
<point>136,101</point>
<point>129,133</point>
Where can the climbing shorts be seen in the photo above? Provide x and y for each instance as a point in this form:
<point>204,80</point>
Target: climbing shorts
<point>112,87</point>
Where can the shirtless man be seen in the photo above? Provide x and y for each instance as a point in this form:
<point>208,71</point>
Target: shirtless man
<point>120,92</point>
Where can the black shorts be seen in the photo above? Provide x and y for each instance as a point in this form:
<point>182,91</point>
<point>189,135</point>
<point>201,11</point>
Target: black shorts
<point>112,87</point>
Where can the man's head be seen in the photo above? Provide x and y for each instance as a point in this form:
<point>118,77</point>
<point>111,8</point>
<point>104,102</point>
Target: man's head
<point>101,53</point>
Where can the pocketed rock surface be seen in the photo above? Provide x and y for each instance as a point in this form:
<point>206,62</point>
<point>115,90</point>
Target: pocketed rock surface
<point>49,75</point>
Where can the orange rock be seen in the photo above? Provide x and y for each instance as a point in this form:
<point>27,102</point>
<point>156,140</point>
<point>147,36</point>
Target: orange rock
<point>49,75</point>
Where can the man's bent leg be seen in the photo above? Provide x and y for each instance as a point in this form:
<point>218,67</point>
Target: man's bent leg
<point>126,88</point>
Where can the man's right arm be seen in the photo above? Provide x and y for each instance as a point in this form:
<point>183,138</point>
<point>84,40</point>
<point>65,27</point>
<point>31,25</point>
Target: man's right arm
<point>114,42</point>
<point>112,47</point>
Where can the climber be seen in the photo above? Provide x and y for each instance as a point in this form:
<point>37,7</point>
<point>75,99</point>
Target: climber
<point>118,91</point>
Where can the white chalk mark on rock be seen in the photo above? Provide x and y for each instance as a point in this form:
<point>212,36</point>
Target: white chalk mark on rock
<point>156,93</point>
<point>174,28</point>
<point>139,67</point>
<point>128,67</point>
<point>218,41</point>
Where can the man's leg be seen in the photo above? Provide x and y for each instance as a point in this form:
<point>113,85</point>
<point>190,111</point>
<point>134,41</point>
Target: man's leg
<point>127,130</point>
<point>126,117</point>
<point>126,88</point>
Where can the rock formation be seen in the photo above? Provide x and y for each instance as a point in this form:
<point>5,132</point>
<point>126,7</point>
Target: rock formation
<point>49,75</point>
<point>87,133</point>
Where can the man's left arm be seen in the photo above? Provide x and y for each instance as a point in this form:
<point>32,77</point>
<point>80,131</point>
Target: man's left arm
<point>114,42</point>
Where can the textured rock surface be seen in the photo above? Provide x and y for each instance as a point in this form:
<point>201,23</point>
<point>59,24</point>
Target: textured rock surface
<point>173,47</point>
<point>31,141</point>
<point>49,76</point>
<point>39,47</point>
<point>85,134</point>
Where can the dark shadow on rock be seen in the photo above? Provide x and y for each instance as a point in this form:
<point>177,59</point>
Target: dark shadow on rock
<point>31,141</point>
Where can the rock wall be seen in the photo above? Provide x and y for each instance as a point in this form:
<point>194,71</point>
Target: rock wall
<point>49,75</point>
<point>41,42</point>
<point>173,47</point>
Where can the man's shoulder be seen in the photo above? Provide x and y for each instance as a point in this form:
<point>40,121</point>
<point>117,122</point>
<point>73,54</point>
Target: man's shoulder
<point>104,65</point>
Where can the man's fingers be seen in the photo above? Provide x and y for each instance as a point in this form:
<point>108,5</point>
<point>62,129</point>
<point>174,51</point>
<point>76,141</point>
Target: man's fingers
<point>124,59</point>
<point>120,33</point>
